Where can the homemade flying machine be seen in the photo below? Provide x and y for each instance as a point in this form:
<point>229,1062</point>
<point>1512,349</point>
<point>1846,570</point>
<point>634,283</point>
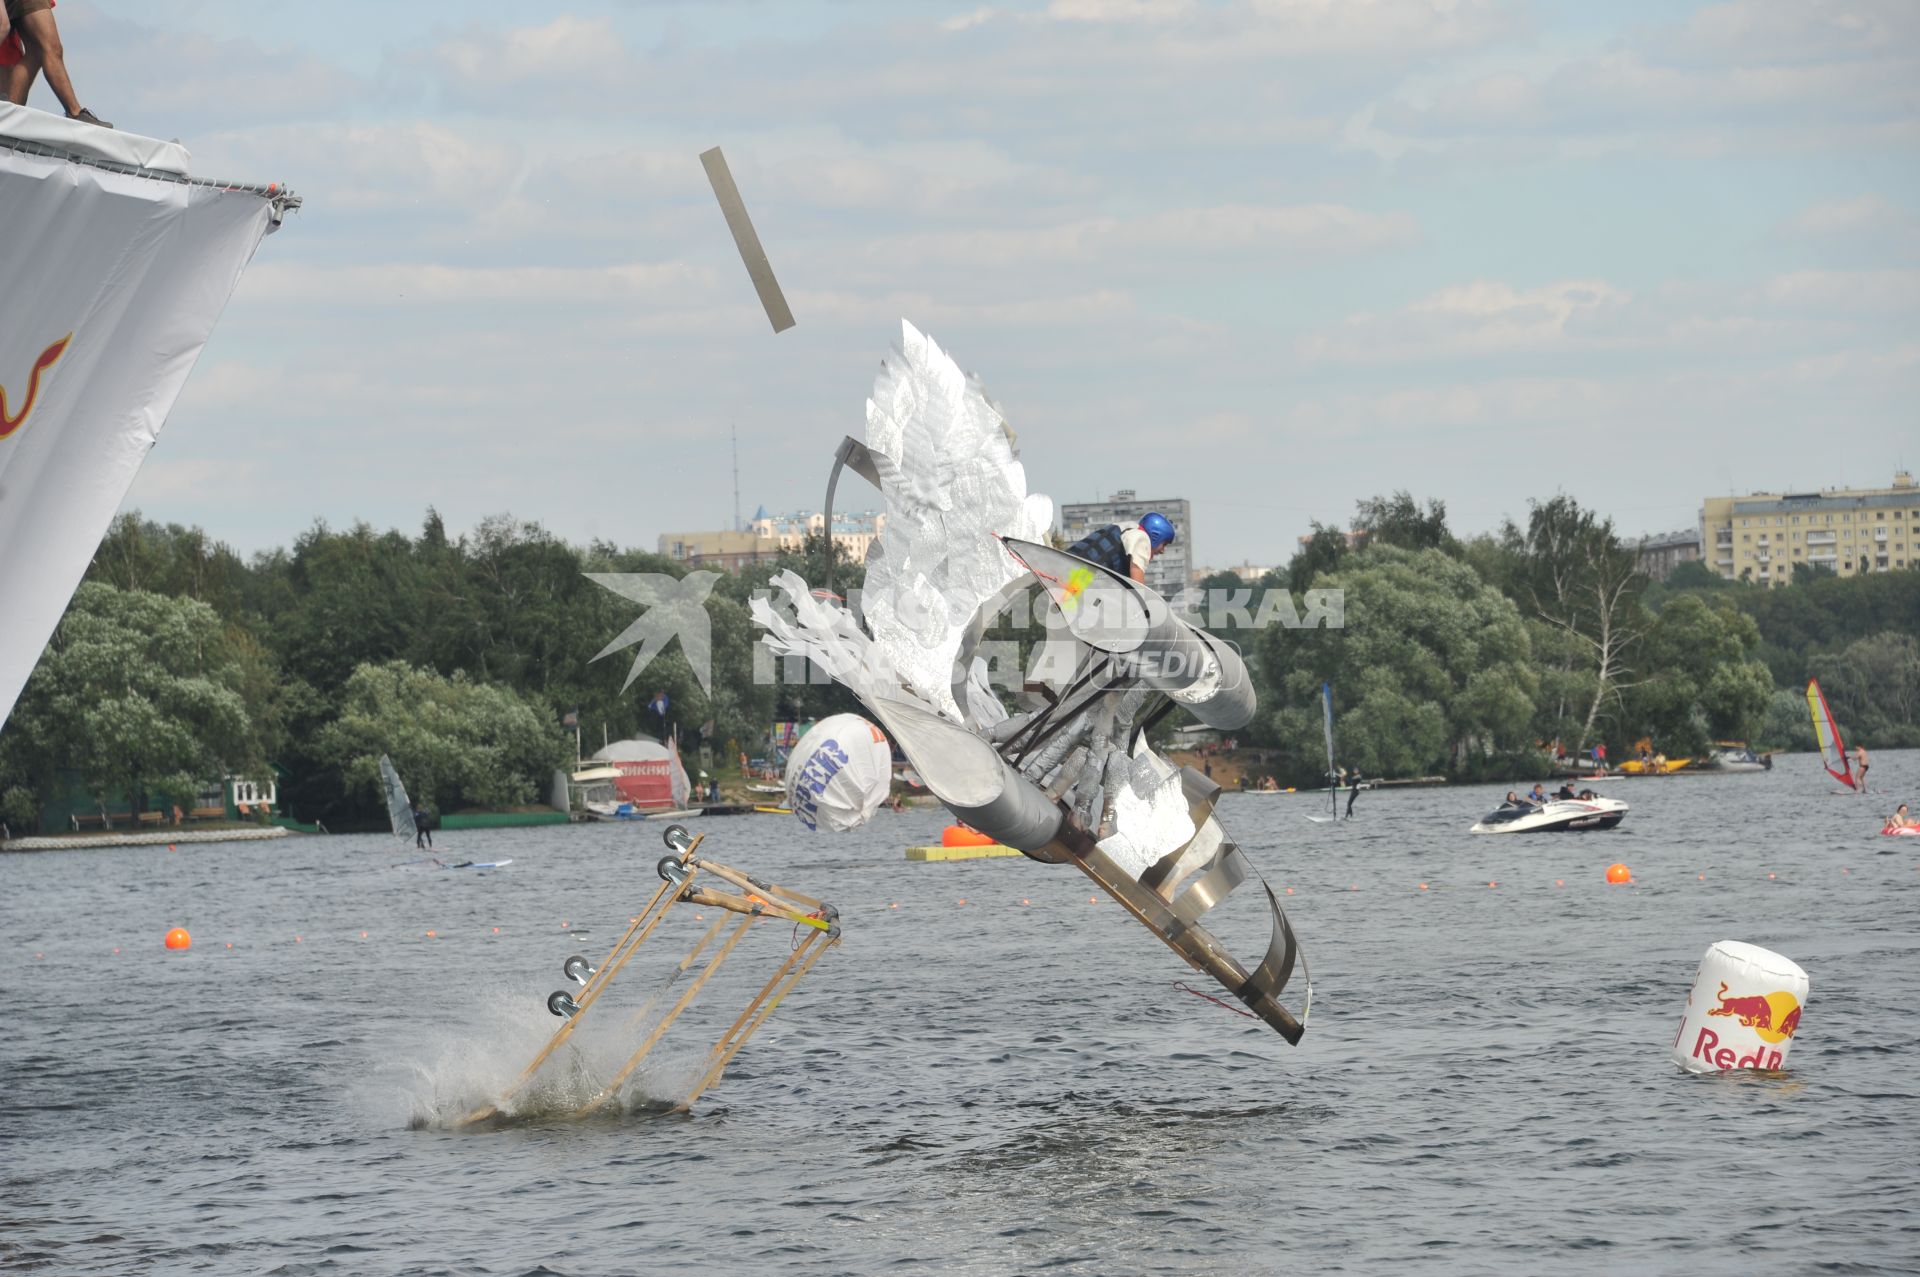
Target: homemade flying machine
<point>742,902</point>
<point>1067,775</point>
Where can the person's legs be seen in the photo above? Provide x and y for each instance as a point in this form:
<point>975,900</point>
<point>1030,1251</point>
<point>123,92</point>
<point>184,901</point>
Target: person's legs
<point>19,77</point>
<point>42,37</point>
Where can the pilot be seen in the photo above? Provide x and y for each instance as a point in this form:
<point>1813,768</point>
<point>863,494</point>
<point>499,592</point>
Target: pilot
<point>1126,550</point>
<point>1565,790</point>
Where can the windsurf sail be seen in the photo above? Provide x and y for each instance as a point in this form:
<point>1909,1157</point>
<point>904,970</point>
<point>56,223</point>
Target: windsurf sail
<point>678,783</point>
<point>1833,751</point>
<point>398,808</point>
<point>1333,777</point>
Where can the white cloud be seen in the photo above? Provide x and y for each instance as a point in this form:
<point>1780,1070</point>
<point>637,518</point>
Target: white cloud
<point>566,48</point>
<point>1863,222</point>
<point>1121,10</point>
<point>1756,74</point>
<point>1846,292</point>
<point>1479,319</point>
<point>433,284</point>
<point>967,21</point>
<point>1127,246</point>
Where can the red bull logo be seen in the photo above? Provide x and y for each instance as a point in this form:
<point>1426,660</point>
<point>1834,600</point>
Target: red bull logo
<point>1773,1017</point>
<point>10,423</point>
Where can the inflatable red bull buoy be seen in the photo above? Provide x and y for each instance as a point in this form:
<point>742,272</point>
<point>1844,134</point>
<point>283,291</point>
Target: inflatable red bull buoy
<point>1744,1010</point>
<point>961,836</point>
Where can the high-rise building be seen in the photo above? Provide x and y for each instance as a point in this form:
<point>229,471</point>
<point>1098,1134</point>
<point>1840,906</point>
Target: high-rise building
<point>1172,571</point>
<point>1762,536</point>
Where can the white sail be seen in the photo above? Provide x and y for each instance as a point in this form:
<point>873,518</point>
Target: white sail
<point>111,283</point>
<point>399,810</point>
<point>1333,774</point>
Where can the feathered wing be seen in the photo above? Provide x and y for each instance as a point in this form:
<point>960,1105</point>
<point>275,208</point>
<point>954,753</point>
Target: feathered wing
<point>952,480</point>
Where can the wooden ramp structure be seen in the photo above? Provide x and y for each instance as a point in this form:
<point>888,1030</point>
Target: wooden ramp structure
<point>741,901</point>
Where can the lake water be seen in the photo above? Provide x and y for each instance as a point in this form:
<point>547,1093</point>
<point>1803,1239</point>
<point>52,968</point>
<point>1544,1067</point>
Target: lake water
<point>1012,1085</point>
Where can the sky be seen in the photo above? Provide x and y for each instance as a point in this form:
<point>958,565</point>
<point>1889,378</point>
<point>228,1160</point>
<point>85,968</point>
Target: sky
<point>1273,256</point>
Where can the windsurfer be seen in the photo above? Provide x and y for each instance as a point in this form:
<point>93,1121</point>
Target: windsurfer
<point>1860,765</point>
<point>1354,792</point>
<point>1126,550</point>
<point>422,835</point>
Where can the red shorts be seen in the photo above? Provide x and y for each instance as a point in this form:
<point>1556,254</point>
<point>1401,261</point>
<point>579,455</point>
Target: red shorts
<point>11,50</point>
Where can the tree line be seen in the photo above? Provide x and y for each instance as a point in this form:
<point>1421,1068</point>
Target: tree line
<point>179,661</point>
<point>1477,657</point>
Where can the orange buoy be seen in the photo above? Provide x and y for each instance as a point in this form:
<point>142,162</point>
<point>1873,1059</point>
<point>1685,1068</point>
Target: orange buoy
<point>178,939</point>
<point>1617,872</point>
<point>961,836</point>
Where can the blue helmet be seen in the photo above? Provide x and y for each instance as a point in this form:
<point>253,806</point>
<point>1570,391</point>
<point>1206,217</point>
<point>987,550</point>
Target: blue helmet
<point>1158,528</point>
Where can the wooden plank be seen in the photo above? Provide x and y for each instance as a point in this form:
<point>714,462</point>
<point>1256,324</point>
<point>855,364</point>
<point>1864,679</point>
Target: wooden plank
<point>759,270</point>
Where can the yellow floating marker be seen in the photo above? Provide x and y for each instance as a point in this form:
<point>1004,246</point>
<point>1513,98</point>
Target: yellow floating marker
<point>961,853</point>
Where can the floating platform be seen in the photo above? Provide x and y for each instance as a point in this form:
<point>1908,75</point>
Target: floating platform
<point>63,842</point>
<point>981,852</point>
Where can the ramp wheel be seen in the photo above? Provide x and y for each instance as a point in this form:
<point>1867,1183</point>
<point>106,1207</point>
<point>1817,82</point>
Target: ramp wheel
<point>577,969</point>
<point>561,1003</point>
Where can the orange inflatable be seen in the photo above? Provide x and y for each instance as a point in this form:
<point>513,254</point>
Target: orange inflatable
<point>961,836</point>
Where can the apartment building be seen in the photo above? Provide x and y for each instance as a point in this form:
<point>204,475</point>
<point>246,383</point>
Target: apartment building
<point>1762,536</point>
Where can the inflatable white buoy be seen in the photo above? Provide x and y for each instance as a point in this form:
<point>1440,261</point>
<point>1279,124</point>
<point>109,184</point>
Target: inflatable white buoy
<point>1743,1012</point>
<point>839,773</point>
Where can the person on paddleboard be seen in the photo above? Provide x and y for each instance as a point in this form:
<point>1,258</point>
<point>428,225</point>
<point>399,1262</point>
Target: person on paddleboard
<point>1126,550</point>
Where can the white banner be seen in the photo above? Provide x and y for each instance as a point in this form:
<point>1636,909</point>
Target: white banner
<point>110,284</point>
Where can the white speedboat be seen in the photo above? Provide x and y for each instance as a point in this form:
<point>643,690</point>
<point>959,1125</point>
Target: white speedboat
<point>1555,816</point>
<point>1729,757</point>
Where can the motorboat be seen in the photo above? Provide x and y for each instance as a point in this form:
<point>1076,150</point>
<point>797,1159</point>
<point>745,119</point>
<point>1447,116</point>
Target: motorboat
<point>1555,816</point>
<point>1658,765</point>
<point>1731,756</point>
<point>599,809</point>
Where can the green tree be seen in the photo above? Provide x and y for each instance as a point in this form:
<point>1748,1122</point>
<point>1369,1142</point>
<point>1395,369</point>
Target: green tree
<point>1432,670</point>
<point>1873,685</point>
<point>1323,552</point>
<point>1585,584</point>
<point>456,743</point>
<point>1398,521</point>
<point>141,694</point>
<point>1788,725</point>
<point>1703,683</point>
